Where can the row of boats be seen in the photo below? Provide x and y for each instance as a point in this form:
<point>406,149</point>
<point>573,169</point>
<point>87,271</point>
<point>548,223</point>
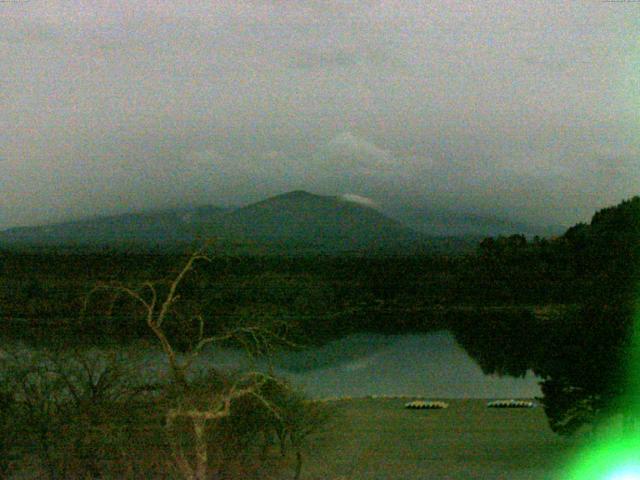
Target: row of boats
<point>437,405</point>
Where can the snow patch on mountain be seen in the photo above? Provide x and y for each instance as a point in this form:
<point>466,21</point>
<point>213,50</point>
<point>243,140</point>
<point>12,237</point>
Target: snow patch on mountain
<point>366,201</point>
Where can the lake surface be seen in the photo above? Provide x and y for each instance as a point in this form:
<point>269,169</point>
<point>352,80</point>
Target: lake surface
<point>430,365</point>
<point>426,365</point>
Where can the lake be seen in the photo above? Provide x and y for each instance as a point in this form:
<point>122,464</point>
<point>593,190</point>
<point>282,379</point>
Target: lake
<point>430,365</point>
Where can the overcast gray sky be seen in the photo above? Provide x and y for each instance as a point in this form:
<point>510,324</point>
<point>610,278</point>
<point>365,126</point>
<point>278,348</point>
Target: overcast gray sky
<point>529,109</point>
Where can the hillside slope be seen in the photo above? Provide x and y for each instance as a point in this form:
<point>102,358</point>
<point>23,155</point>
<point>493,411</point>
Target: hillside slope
<point>159,228</point>
<point>301,220</point>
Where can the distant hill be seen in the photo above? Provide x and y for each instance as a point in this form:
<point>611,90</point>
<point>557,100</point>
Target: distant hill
<point>297,222</point>
<point>157,228</point>
<point>294,222</point>
<point>439,222</point>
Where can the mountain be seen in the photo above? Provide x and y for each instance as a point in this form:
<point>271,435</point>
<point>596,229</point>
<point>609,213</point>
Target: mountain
<point>301,220</point>
<point>442,222</point>
<point>295,222</point>
<point>157,228</point>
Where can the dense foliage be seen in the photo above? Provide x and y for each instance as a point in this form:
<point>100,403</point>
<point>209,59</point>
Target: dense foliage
<point>583,351</point>
<point>326,296</point>
<point>89,415</point>
<point>588,355</point>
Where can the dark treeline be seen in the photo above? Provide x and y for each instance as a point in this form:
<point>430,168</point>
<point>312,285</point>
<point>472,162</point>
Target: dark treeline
<point>587,354</point>
<point>327,296</point>
<point>504,271</point>
<point>325,293</point>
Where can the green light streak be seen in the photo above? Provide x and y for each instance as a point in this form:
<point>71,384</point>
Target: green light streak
<point>616,456</point>
<point>612,458</point>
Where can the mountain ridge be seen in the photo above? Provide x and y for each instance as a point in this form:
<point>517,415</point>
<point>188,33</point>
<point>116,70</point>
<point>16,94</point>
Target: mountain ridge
<point>297,221</point>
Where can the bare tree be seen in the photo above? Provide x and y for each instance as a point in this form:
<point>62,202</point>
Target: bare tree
<point>157,310</point>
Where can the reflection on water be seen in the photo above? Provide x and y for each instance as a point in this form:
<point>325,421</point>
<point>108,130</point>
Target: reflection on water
<point>426,365</point>
<point>429,365</point>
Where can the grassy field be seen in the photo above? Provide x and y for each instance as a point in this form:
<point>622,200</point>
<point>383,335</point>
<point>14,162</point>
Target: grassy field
<point>379,439</point>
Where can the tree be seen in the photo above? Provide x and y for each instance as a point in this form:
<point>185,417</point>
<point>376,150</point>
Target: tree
<point>584,366</point>
<point>200,403</point>
<point>583,354</point>
<point>587,354</point>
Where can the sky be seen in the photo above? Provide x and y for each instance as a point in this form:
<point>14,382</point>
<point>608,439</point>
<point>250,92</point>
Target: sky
<point>529,110</point>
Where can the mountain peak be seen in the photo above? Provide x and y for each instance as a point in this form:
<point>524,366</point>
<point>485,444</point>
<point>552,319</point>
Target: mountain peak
<point>320,222</point>
<point>296,194</point>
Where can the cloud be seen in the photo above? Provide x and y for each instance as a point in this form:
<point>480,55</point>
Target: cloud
<point>352,197</point>
<point>138,104</point>
<point>355,154</point>
<point>322,59</point>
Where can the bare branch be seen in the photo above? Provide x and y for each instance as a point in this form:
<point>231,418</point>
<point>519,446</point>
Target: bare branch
<point>171,296</point>
<point>183,464</point>
<point>135,295</point>
<point>90,294</point>
<point>154,294</point>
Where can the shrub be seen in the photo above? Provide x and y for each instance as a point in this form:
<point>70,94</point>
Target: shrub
<point>68,410</point>
<point>7,430</point>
